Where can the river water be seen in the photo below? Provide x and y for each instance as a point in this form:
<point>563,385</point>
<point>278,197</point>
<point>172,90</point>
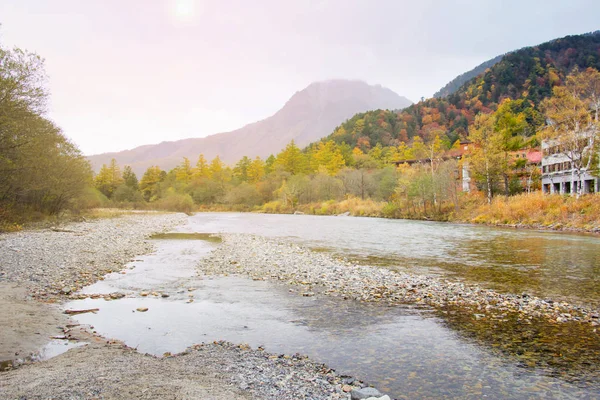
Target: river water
<point>405,351</point>
<point>546,264</point>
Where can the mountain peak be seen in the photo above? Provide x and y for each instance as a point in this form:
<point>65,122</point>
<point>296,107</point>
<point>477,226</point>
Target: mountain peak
<point>309,115</point>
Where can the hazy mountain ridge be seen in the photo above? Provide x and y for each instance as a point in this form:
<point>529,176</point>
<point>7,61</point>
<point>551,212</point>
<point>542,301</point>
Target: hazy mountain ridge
<point>307,116</point>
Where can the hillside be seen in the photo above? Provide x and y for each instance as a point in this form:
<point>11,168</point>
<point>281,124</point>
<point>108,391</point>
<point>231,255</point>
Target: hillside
<point>460,80</point>
<point>527,74</point>
<point>309,115</point>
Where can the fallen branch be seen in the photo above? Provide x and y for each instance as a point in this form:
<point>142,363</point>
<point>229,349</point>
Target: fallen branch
<point>62,230</point>
<point>73,312</point>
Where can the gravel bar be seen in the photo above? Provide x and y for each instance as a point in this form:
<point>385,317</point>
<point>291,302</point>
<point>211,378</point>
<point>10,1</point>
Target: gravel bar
<point>217,370</point>
<point>55,262</point>
<point>51,264</point>
<point>280,260</point>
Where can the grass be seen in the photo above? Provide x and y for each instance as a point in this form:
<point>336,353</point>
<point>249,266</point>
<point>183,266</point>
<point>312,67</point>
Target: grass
<point>535,210</point>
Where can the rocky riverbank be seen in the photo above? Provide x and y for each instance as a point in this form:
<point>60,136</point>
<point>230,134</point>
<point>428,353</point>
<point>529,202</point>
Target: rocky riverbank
<point>57,261</point>
<point>49,265</point>
<point>220,370</point>
<point>311,273</point>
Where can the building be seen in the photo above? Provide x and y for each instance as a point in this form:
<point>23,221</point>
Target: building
<point>558,174</point>
<point>458,153</point>
<point>528,171</point>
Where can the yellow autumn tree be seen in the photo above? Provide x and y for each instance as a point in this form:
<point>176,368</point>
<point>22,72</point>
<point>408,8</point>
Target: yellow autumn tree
<point>329,156</point>
<point>256,170</point>
<point>292,160</point>
<point>150,183</point>
<point>109,178</point>
<point>184,171</point>
<point>201,170</point>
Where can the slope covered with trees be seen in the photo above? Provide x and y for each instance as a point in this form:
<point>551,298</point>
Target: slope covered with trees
<point>528,74</point>
<point>460,80</point>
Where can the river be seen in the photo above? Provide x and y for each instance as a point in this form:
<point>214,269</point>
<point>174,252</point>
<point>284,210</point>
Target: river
<point>407,351</point>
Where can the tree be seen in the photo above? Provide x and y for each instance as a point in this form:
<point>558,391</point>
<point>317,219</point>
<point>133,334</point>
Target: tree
<point>109,178</point>
<point>22,79</point>
<point>487,157</point>
<point>294,189</point>
<point>574,126</point>
<point>292,160</point>
<point>243,194</point>
<point>358,182</point>
<point>329,156</point>
<point>269,164</point>
<point>325,187</point>
<point>40,169</point>
<point>184,171</point>
<point>511,125</point>
<point>201,170</point>
<point>240,171</point>
<point>150,183</point>
<point>129,178</point>
<point>220,174</point>
<point>102,181</point>
<point>256,170</point>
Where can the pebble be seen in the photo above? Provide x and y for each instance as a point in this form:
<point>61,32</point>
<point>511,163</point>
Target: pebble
<point>365,393</point>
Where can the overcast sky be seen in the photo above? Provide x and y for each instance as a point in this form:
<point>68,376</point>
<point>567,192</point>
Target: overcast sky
<point>123,73</point>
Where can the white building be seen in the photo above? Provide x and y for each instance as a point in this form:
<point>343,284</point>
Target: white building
<point>558,175</point>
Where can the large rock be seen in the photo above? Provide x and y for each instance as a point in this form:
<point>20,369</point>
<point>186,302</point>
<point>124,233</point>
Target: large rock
<point>365,393</point>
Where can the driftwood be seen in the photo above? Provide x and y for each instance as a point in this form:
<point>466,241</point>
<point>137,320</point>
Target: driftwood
<point>62,230</point>
<point>73,312</point>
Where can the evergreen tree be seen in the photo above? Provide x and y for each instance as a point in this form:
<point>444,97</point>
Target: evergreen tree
<point>150,183</point>
<point>292,160</point>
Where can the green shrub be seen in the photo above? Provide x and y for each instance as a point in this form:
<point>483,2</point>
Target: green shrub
<point>175,202</point>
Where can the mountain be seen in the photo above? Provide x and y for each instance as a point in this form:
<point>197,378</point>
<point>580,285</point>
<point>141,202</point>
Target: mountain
<point>309,115</point>
<point>526,75</point>
<point>460,80</point>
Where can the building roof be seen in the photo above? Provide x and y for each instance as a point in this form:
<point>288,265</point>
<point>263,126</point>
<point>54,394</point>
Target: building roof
<point>534,156</point>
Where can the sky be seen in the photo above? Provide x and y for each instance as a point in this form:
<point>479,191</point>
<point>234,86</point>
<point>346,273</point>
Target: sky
<point>124,73</point>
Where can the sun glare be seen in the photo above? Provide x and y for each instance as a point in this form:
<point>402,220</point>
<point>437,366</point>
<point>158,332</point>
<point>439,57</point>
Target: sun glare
<point>184,10</point>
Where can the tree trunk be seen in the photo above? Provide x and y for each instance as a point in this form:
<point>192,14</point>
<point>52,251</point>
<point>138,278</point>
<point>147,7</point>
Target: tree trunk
<point>488,181</point>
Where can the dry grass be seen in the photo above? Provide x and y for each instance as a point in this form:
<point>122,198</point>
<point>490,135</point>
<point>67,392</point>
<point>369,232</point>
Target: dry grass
<point>354,206</point>
<point>104,213</point>
<point>536,210</point>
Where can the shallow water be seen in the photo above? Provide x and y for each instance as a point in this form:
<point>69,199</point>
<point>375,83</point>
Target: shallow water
<point>405,351</point>
<point>545,264</point>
